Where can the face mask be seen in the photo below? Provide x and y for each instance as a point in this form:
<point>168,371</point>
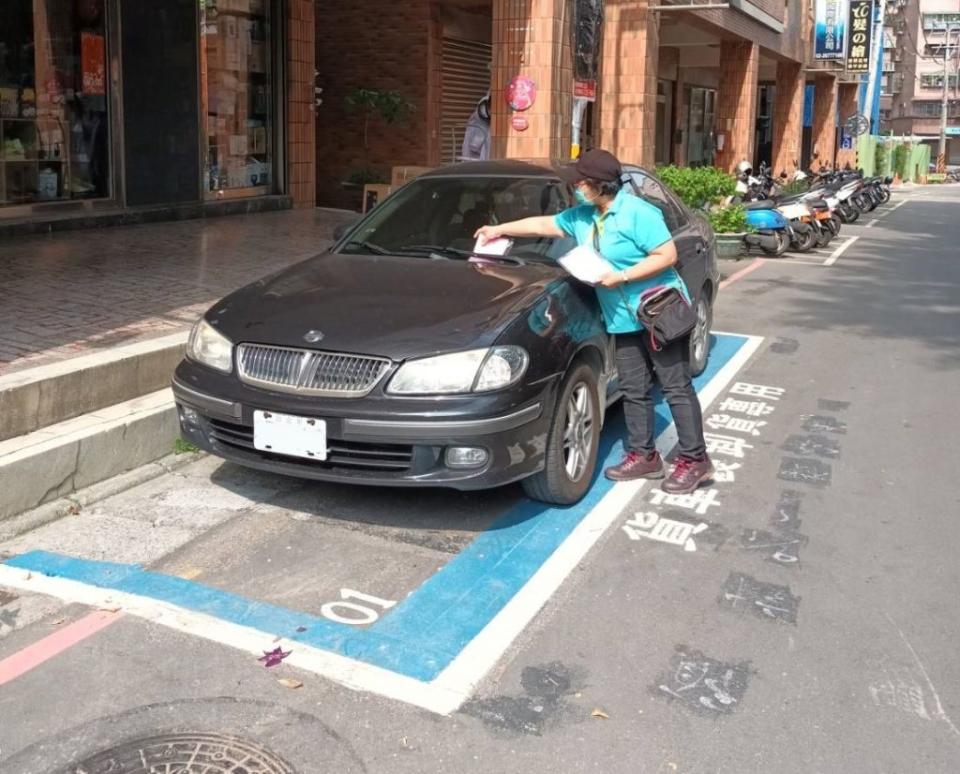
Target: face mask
<point>581,197</point>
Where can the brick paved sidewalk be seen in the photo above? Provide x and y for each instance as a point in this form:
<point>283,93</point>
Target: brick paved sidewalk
<point>73,293</point>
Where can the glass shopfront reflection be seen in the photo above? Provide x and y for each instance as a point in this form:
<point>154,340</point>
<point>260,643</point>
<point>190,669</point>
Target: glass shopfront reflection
<point>236,96</point>
<point>54,106</point>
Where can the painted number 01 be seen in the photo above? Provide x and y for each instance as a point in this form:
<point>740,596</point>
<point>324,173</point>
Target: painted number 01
<point>347,612</point>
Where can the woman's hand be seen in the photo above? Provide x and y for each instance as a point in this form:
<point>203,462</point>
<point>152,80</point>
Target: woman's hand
<point>612,279</point>
<point>488,234</point>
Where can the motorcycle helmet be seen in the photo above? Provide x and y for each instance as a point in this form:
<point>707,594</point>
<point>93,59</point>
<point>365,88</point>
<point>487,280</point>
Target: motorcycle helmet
<point>744,168</point>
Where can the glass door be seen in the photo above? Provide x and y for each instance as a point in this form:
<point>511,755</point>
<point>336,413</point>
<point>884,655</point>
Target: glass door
<point>236,97</point>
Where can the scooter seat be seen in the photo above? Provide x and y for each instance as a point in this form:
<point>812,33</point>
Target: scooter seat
<point>766,204</point>
<point>817,203</point>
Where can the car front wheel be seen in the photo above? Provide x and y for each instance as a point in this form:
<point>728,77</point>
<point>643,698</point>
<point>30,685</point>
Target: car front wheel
<point>572,442</point>
<point>700,337</point>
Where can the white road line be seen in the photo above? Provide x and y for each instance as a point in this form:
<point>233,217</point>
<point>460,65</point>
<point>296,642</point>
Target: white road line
<point>482,653</point>
<point>839,251</point>
<point>457,682</point>
<point>870,224</point>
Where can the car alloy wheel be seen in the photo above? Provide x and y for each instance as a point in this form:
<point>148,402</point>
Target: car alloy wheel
<point>573,440</point>
<point>578,434</point>
<point>700,338</point>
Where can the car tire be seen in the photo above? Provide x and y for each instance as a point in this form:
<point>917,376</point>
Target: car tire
<point>700,337</point>
<point>564,481</point>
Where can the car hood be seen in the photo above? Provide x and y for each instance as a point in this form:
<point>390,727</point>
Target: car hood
<point>395,307</point>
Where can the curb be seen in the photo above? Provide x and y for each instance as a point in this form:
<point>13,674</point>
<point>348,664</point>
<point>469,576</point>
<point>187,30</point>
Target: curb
<point>72,504</point>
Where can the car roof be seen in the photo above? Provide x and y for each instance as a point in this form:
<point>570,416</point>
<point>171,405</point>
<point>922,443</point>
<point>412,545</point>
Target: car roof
<point>545,168</point>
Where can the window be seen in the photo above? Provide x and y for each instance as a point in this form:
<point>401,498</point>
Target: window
<point>54,118</point>
<point>445,212</point>
<point>934,81</point>
<point>940,21</point>
<point>654,192</point>
<point>236,96</point>
<point>932,108</point>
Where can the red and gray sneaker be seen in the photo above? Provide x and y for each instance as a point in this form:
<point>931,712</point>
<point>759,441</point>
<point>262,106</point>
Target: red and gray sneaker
<point>688,474</point>
<point>636,465</point>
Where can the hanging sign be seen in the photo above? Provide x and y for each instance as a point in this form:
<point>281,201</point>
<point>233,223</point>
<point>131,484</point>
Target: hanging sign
<point>585,90</point>
<point>521,93</point>
<point>519,123</point>
<point>861,30</point>
<point>830,28</point>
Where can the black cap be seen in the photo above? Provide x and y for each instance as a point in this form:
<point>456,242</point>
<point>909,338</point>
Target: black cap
<point>596,164</point>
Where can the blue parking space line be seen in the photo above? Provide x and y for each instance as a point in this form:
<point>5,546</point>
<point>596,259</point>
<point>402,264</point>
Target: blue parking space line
<point>421,635</point>
<point>452,606</point>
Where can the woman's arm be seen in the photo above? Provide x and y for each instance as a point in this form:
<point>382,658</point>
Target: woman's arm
<point>656,261</point>
<point>541,226</point>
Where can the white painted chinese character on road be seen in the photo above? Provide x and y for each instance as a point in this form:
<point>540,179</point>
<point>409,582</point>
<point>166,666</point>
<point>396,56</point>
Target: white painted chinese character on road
<point>723,472</point>
<point>699,500</point>
<point>757,391</point>
<point>650,525</point>
<point>752,408</point>
<point>727,445</point>
<point>737,424</point>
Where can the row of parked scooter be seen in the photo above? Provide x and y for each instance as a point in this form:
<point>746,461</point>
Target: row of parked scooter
<point>806,220</point>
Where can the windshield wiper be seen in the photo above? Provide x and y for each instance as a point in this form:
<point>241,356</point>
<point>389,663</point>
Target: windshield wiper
<point>372,247</point>
<point>442,250</point>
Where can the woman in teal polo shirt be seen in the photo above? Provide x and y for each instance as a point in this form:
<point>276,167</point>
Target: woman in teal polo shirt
<point>632,237</point>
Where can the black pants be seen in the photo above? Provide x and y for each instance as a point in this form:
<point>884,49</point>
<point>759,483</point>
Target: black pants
<point>639,365</point>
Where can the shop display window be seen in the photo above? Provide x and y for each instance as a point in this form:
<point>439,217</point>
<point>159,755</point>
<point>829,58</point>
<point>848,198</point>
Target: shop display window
<point>236,96</point>
<point>54,111</point>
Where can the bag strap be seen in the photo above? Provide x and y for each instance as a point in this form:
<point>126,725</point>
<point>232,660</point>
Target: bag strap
<point>626,301</point>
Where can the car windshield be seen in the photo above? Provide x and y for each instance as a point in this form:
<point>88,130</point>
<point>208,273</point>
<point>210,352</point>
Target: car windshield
<point>439,216</point>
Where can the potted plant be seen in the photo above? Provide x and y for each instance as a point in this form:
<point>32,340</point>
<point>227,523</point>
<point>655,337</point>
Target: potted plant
<point>730,226</point>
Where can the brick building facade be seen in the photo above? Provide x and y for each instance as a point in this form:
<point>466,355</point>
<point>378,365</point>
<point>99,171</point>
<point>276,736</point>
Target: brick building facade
<point>676,85</point>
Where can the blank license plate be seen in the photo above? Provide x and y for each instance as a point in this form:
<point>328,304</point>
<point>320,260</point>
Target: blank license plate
<point>285,434</point>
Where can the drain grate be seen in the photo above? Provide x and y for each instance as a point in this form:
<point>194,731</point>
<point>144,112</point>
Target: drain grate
<point>184,754</point>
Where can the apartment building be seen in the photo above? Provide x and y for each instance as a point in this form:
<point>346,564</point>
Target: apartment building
<point>918,36</point>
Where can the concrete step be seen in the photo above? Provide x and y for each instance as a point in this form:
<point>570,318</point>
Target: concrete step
<point>36,398</point>
<point>49,463</point>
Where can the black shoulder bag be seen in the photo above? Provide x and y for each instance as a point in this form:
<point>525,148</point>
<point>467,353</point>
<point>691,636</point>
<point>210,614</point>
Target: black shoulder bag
<point>663,311</point>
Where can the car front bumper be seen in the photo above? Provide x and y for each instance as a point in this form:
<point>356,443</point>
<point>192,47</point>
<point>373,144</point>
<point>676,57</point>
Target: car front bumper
<point>381,450</point>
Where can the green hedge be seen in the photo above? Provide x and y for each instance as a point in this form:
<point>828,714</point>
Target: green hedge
<point>698,187</point>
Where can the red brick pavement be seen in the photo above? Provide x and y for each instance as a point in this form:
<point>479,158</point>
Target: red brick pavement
<point>77,292</point>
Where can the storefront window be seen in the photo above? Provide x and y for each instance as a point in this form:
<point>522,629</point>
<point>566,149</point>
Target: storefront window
<point>54,122</point>
<point>236,96</point>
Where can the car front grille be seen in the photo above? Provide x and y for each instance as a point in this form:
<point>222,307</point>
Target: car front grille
<point>340,454</point>
<point>309,372</point>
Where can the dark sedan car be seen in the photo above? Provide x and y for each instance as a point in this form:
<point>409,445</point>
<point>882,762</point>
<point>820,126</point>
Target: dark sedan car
<point>398,357</point>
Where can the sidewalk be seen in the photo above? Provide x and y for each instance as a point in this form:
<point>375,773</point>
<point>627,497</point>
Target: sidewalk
<point>78,292</point>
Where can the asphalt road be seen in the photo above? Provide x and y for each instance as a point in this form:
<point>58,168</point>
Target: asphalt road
<point>801,615</point>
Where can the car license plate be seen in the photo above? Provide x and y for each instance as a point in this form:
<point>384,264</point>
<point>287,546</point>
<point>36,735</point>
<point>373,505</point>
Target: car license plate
<point>285,434</point>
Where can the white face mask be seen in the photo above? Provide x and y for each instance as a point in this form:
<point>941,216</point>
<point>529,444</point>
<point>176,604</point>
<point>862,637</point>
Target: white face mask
<point>582,198</point>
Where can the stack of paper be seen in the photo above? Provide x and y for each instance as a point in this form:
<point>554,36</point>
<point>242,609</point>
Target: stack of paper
<point>585,264</point>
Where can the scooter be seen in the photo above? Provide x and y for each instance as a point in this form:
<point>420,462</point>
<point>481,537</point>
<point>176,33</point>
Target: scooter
<point>756,195</point>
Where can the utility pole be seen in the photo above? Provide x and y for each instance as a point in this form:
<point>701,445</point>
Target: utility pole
<point>942,151</point>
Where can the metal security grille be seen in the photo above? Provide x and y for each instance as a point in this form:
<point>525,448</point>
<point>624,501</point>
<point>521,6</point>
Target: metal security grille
<point>464,79</point>
<point>308,372</point>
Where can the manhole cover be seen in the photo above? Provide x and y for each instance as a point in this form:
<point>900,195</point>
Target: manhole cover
<point>184,754</point>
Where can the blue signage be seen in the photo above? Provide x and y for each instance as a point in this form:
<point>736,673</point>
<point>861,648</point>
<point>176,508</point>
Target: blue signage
<point>830,19</point>
<point>953,131</point>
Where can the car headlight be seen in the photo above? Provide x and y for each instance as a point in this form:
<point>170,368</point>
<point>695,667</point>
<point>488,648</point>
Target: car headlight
<point>476,370</point>
<point>210,347</point>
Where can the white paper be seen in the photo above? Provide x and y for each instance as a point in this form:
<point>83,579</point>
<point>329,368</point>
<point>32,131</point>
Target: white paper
<point>494,247</point>
<point>584,264</point>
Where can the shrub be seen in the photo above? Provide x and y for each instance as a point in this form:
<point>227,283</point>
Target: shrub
<point>795,187</point>
<point>698,187</point>
<point>900,155</point>
<point>880,159</point>
<point>729,220</point>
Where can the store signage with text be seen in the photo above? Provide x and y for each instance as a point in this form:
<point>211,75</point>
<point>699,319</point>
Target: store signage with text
<point>861,23</point>
<point>831,20</point>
